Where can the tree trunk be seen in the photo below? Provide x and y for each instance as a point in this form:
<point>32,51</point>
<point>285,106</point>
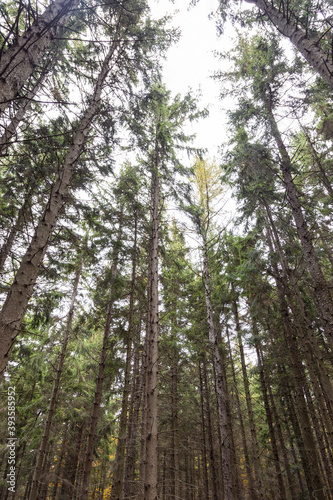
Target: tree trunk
<point>118,470</point>
<point>56,385</point>
<point>224,424</point>
<point>321,287</point>
<point>19,294</point>
<point>308,47</point>
<point>248,468</point>
<point>100,377</point>
<point>272,437</point>
<point>133,420</point>
<point>19,61</point>
<point>254,438</point>
<point>151,458</point>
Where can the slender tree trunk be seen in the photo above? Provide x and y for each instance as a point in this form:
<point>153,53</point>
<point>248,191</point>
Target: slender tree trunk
<point>224,425</point>
<point>100,377</point>
<point>276,458</point>
<point>118,470</point>
<point>11,129</point>
<point>19,294</point>
<point>56,385</point>
<point>16,227</point>
<point>254,438</point>
<point>151,458</point>
<point>308,47</point>
<point>212,459</point>
<point>19,61</point>
<point>133,421</point>
<point>321,287</point>
<point>248,468</point>
<point>203,435</point>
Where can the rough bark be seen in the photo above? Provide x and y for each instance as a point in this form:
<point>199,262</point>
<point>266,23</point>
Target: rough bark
<point>19,294</point>
<point>19,61</point>
<point>307,46</point>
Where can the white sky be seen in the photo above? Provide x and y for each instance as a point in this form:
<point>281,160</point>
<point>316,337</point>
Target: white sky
<point>191,62</point>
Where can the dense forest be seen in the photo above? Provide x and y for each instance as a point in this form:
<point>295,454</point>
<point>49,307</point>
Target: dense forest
<point>152,345</point>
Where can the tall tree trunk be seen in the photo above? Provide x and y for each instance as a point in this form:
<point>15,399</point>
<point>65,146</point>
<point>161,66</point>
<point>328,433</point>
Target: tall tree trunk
<point>254,438</point>
<point>118,470</point>
<point>100,376</point>
<point>19,294</point>
<point>20,59</point>
<point>320,285</point>
<point>151,458</point>
<point>12,127</point>
<point>276,459</point>
<point>224,424</point>
<point>306,442</point>
<point>55,389</point>
<point>203,437</point>
<point>308,47</point>
<point>212,458</point>
<point>133,419</point>
<point>252,489</point>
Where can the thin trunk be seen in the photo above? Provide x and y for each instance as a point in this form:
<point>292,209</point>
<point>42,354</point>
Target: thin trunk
<point>248,468</point>
<point>55,389</point>
<point>321,287</point>
<point>11,129</point>
<point>203,435</point>
<point>276,459</point>
<point>224,424</point>
<point>19,294</point>
<point>254,438</point>
<point>118,471</point>
<point>307,46</point>
<point>212,459</point>
<point>16,227</point>
<point>20,59</point>
<point>151,458</point>
<point>306,443</point>
<point>315,156</point>
<point>71,464</point>
<point>100,376</point>
<point>133,420</point>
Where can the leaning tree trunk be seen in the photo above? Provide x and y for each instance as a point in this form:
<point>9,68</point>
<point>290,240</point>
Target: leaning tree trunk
<point>151,455</point>
<point>20,292</point>
<point>320,284</point>
<point>56,385</point>
<point>307,46</point>
<point>20,59</point>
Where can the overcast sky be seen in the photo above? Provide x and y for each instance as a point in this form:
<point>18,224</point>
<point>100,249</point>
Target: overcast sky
<point>191,62</point>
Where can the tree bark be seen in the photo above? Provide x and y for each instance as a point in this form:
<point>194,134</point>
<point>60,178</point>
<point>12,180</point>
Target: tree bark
<point>20,59</point>
<point>308,47</point>
<point>20,292</point>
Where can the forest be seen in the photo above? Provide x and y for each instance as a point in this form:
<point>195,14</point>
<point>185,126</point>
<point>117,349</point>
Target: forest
<point>154,345</point>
